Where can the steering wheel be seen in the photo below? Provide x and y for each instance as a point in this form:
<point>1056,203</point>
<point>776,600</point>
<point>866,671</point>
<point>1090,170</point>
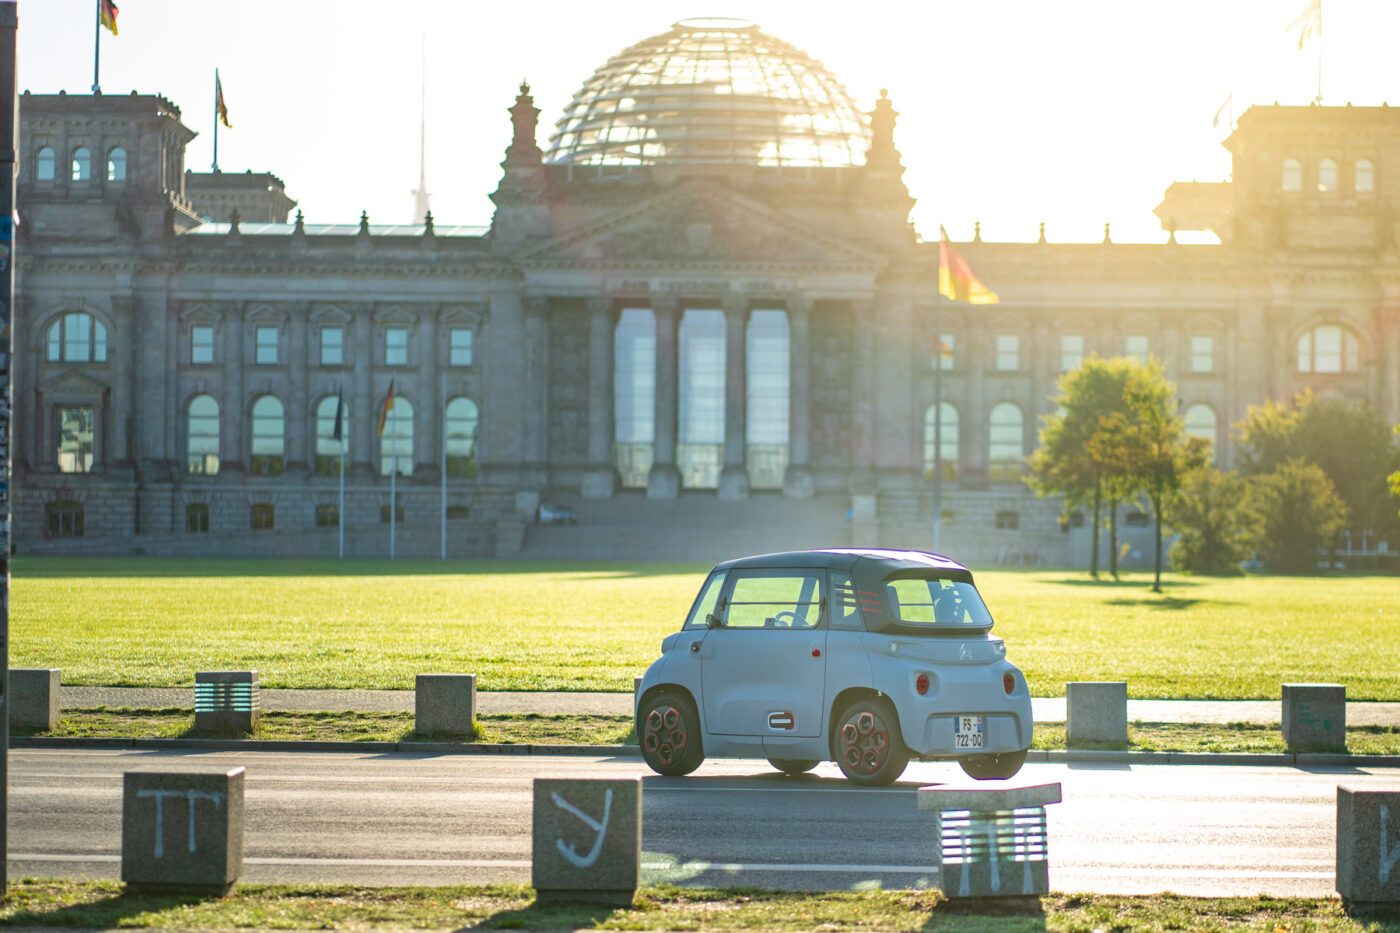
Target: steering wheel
<point>791,621</point>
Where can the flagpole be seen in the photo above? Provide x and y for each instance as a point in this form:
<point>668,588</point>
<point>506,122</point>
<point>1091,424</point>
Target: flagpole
<point>394,495</point>
<point>340,520</point>
<point>938,418</point>
<point>97,48</point>
<point>215,167</point>
<point>442,401</point>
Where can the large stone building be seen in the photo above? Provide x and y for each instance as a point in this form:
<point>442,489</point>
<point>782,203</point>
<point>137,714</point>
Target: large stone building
<point>700,317</point>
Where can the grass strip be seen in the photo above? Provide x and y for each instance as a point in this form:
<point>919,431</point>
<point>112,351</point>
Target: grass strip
<point>104,904</point>
<point>589,729</point>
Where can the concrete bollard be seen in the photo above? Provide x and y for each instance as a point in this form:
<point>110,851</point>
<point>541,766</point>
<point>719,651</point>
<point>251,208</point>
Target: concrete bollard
<point>587,841</point>
<point>34,698</point>
<point>992,842</point>
<point>636,686</point>
<point>445,704</point>
<point>227,702</point>
<point>1315,717</point>
<point>1368,846</point>
<point>1096,712</point>
<point>183,830</point>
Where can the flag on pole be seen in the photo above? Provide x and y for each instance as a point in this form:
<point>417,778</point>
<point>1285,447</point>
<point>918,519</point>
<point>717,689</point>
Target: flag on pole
<point>107,14</point>
<point>219,106</point>
<point>956,280</point>
<point>339,433</point>
<point>942,349</point>
<point>1308,23</point>
<point>1215,121</point>
<point>388,405</point>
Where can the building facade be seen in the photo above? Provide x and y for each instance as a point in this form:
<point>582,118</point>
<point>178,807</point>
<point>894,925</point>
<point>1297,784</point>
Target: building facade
<point>700,318</point>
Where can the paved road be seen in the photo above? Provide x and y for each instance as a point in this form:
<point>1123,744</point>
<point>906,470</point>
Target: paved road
<point>1046,709</point>
<point>403,818</point>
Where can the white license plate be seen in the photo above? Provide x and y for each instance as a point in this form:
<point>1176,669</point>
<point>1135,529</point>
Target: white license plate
<point>970,732</point>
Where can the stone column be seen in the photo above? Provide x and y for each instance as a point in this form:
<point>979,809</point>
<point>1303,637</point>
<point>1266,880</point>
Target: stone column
<point>600,482</point>
<point>233,406</point>
<point>363,413</point>
<point>664,481</point>
<point>117,446</point>
<point>537,385</point>
<point>797,483</point>
<point>862,319</point>
<point>434,403</point>
<point>734,477</point>
<point>300,418</point>
<point>981,357</point>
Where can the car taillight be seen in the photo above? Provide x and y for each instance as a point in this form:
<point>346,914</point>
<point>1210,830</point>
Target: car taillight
<point>1008,682</point>
<point>921,684</point>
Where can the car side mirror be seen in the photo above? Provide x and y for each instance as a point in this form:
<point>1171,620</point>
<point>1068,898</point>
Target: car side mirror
<point>713,621</point>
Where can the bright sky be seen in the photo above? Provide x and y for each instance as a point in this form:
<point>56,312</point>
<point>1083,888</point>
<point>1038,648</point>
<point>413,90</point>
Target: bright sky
<point>1074,112</point>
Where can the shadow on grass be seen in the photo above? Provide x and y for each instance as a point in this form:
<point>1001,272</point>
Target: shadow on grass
<point>549,916</point>
<point>1164,602</point>
<point>106,913</point>
<point>39,568</point>
<point>1108,583</point>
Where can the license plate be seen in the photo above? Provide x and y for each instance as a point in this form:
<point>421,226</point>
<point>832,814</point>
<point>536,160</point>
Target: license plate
<point>969,732</point>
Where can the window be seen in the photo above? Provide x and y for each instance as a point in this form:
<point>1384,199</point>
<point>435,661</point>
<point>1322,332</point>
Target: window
<point>77,337</point>
<point>398,514</point>
<point>1071,352</point>
<point>396,443</point>
<point>1008,521</point>
<point>634,395</point>
<point>1136,518</point>
<point>1200,422</point>
<point>262,517</point>
<point>332,346</point>
<point>927,601</point>
<point>396,346</point>
<point>82,164</point>
<point>705,603</point>
<point>460,346</point>
<point>327,516</point>
<point>1327,176</point>
<point>45,164</point>
<point>1328,348</point>
<point>116,164</point>
<point>203,436</point>
<point>460,437</point>
<point>455,512</point>
<point>328,446</point>
<point>948,446</point>
<point>197,518</point>
<point>768,365</point>
<point>1292,175</point>
<point>1008,352</point>
<point>64,519</point>
<point>1005,443</point>
<point>201,344</point>
<point>845,603</point>
<point>779,600</point>
<point>266,346</point>
<point>1365,178</point>
<point>1202,354</point>
<point>945,352</point>
<point>701,413</point>
<point>75,439</point>
<point>1135,348</point>
<point>269,437</point>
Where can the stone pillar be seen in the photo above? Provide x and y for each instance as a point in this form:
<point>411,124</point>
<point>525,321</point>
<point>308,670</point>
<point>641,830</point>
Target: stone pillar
<point>973,419</point>
<point>664,481</point>
<point>797,484</point>
<point>117,446</point>
<point>862,316</point>
<point>734,477</point>
<point>600,482</point>
<point>234,405</point>
<point>537,382</point>
<point>1393,355</point>
<point>182,830</point>
<point>433,402</point>
<point>301,420</point>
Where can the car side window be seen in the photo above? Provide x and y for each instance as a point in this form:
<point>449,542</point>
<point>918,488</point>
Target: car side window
<point>845,606</point>
<point>776,600</point>
<point>705,603</point>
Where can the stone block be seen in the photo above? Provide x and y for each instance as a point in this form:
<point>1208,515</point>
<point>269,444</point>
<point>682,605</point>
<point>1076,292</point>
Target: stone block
<point>587,840</point>
<point>798,483</point>
<point>663,482</point>
<point>733,482</point>
<point>599,483</point>
<point>183,830</point>
<point>1368,845</point>
<point>34,698</point>
<point>227,702</point>
<point>445,704</point>
<point>1096,712</point>
<point>991,842</point>
<point>1315,717</point>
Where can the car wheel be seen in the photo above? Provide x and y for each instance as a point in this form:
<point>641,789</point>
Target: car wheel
<point>867,743</point>
<point>669,733</point>
<point>794,766</point>
<point>993,767</point>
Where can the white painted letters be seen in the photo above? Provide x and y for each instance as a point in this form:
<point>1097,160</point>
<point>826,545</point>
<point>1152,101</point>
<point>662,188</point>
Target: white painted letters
<point>600,828</point>
<point>1389,856</point>
<point>214,797</point>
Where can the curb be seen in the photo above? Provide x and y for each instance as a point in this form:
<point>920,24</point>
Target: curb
<point>1039,756</point>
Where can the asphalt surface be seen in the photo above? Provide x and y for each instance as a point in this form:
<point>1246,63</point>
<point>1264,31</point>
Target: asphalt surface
<point>1046,709</point>
<point>420,819</point>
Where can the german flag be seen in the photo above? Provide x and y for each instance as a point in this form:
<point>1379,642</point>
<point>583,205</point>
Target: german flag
<point>956,280</point>
<point>388,406</point>
<point>220,108</point>
<point>107,14</point>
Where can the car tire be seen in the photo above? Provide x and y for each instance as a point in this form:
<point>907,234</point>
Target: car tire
<point>993,767</point>
<point>867,744</point>
<point>668,731</point>
<point>794,766</point>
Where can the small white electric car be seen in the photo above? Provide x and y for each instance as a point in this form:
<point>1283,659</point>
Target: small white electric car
<point>863,657</point>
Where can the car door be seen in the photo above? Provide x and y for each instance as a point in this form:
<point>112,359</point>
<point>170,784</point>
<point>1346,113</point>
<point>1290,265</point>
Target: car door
<point>763,667</point>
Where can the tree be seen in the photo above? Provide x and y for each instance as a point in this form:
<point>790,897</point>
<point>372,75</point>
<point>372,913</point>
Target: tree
<point>1215,522</point>
<point>1395,477</point>
<point>1300,512</point>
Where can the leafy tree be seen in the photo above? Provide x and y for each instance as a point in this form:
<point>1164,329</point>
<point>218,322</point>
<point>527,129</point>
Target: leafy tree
<point>1300,512</point>
<point>1215,522</point>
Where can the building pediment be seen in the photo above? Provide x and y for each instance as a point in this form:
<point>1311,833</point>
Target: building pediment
<point>699,222</point>
<point>72,383</point>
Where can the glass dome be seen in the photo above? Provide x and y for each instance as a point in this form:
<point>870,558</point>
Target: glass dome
<point>711,91</point>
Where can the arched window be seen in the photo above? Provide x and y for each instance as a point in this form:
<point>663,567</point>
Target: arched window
<point>396,443</point>
<point>459,427</point>
<point>82,164</point>
<point>1327,176</point>
<point>328,447</point>
<point>1200,422</point>
<point>45,164</point>
<point>948,442</point>
<point>1292,175</point>
<point>1005,443</point>
<point>77,338</point>
<point>269,436</point>
<point>203,435</point>
<point>634,395</point>
<point>1328,348</point>
<point>701,413</point>
<point>116,164</point>
<point>767,364</point>
<point>1365,179</point>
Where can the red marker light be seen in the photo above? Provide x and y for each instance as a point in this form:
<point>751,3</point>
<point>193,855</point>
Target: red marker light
<point>816,652</point>
<point>921,684</point>
<point>1008,682</point>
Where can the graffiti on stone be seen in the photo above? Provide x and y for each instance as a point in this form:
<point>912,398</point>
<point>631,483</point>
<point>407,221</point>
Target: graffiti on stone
<point>192,797</point>
<point>1389,855</point>
<point>599,827</point>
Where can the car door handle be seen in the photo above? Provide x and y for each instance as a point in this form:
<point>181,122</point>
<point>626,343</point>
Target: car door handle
<point>695,646</point>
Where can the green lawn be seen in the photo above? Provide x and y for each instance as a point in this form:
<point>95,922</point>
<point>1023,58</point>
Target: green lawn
<point>532,626</point>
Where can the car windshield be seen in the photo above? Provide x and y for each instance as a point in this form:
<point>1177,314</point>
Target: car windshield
<point>936,603</point>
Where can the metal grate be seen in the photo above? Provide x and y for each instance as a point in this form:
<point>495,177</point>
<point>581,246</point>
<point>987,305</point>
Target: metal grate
<point>973,836</point>
<point>225,697</point>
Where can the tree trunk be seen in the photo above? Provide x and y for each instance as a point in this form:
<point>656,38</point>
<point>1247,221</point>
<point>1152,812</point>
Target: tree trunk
<point>1094,542</point>
<point>1113,536</point>
<point>1157,570</point>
